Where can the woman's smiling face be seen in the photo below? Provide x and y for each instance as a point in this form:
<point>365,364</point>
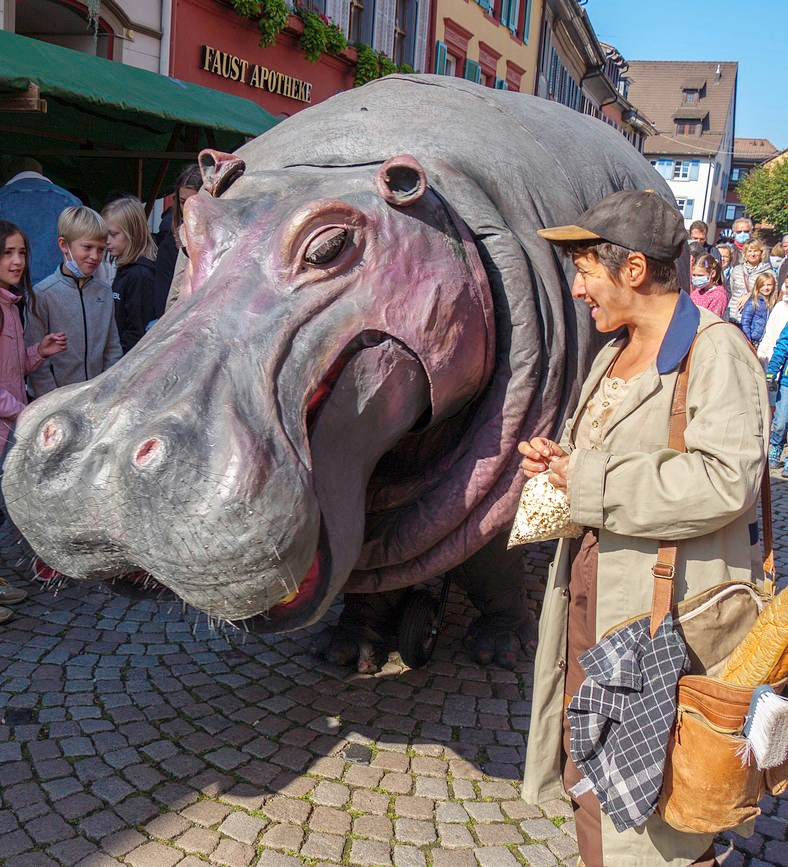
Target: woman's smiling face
<point>596,288</point>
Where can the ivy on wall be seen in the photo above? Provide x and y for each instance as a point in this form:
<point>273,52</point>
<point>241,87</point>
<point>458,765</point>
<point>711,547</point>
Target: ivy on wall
<point>320,36</point>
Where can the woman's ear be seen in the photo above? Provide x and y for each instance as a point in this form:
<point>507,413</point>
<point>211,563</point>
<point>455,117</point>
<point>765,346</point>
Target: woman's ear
<point>636,270</point>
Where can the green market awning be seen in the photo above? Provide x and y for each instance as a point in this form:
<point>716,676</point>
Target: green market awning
<point>112,112</point>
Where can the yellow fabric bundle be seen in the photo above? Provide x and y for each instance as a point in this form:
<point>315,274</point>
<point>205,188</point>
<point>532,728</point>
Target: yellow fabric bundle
<point>762,657</point>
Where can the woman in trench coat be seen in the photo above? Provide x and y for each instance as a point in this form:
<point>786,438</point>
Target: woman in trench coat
<point>629,490</point>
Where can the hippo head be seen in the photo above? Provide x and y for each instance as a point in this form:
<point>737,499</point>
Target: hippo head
<point>330,321</point>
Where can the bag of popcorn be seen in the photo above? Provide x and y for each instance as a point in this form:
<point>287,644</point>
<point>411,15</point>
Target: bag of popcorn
<point>543,514</point>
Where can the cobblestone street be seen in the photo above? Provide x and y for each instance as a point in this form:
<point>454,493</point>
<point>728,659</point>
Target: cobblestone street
<point>132,732</point>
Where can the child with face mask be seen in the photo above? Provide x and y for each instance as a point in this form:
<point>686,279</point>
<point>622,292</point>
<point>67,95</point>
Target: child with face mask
<point>74,301</point>
<point>707,289</point>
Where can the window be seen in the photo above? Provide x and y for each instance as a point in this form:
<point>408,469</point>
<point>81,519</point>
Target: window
<point>686,170</point>
<point>716,172</point>
<point>402,51</point>
<point>356,21</point>
<point>691,95</point>
<point>739,172</point>
<point>733,212</point>
<point>452,65</point>
<point>687,207</point>
<point>687,127</point>
<point>664,167</point>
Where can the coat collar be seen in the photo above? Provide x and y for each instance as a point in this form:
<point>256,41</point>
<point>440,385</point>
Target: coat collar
<point>680,334</point>
<point>675,345</point>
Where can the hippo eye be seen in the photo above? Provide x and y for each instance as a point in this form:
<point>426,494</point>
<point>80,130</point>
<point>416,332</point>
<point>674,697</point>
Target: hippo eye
<point>326,246</point>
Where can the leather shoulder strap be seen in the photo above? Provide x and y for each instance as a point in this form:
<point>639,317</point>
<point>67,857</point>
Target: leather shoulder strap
<point>664,569</point>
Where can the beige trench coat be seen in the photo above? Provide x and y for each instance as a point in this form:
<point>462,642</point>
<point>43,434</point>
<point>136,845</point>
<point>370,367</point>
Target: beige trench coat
<point>636,492</point>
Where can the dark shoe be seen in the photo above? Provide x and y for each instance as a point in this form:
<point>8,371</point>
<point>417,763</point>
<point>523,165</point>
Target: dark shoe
<point>10,595</point>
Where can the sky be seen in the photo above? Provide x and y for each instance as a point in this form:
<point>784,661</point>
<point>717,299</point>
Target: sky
<point>754,34</point>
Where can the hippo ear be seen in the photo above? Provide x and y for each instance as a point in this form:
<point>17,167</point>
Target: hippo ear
<point>219,170</point>
<point>401,180</point>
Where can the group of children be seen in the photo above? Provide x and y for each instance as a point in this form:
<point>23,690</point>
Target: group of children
<point>746,297</point>
<point>754,302</point>
<point>74,324</point>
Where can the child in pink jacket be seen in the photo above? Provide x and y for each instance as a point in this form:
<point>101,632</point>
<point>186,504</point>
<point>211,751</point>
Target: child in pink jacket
<point>15,360</point>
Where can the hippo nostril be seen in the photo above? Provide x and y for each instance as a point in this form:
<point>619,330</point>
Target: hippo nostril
<point>148,451</point>
<point>52,435</point>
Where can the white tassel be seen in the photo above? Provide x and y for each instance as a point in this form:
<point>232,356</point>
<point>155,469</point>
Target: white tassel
<point>766,729</point>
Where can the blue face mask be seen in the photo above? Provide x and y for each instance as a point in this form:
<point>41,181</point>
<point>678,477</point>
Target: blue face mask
<point>72,266</point>
<point>741,237</point>
<point>699,282</point>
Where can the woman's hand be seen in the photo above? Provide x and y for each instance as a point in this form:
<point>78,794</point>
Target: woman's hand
<point>559,472</point>
<point>51,344</point>
<point>539,453</point>
<point>741,302</point>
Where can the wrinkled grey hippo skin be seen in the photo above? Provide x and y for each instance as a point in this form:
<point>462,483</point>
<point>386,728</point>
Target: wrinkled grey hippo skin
<point>335,403</point>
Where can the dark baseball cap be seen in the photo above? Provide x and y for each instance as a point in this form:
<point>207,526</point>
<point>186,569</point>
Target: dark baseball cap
<point>639,220</point>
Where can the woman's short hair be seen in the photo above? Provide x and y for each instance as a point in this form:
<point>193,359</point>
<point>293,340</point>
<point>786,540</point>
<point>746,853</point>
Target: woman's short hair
<point>129,216</point>
<point>752,244</point>
<point>79,221</point>
<point>613,258</point>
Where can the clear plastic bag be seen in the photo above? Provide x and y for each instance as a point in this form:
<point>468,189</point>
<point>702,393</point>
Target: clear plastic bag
<point>543,514</point>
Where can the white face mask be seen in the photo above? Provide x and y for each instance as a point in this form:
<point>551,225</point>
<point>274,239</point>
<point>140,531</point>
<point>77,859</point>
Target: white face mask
<point>72,266</point>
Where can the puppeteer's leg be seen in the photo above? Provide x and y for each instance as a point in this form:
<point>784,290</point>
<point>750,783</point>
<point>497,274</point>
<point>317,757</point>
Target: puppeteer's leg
<point>494,579</point>
<point>366,632</point>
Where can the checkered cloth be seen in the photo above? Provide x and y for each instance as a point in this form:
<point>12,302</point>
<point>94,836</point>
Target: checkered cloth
<point>621,718</point>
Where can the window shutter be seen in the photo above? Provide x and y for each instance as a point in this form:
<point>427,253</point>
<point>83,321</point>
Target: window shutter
<point>505,12</point>
<point>500,84</point>
<point>473,72</point>
<point>514,12</point>
<point>550,72</point>
<point>440,58</point>
<point>527,24</point>
<point>689,209</point>
<point>420,40</point>
<point>694,167</point>
<point>665,168</point>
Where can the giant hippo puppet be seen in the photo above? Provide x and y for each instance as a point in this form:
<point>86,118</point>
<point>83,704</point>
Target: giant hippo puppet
<point>334,404</point>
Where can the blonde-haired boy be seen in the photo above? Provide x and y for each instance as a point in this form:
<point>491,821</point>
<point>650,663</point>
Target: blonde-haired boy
<point>74,301</point>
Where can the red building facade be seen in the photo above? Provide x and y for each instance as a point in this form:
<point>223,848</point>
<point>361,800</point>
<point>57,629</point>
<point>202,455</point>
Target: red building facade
<point>212,45</point>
